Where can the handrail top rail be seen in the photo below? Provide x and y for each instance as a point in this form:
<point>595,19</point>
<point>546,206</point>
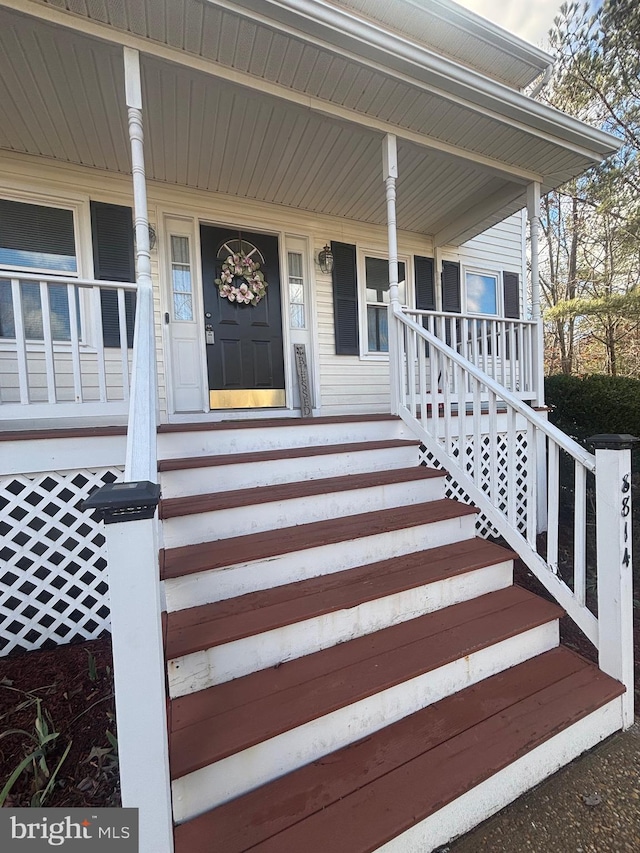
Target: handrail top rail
<point>9,275</point>
<point>588,460</point>
<point>421,312</point>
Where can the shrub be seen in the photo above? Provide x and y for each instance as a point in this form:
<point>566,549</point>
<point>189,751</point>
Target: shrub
<point>590,405</point>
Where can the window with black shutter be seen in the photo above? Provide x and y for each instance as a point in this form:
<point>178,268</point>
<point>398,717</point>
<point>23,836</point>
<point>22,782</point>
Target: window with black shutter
<point>511,288</point>
<point>36,238</point>
<point>345,299</point>
<point>451,287</point>
<point>113,260</point>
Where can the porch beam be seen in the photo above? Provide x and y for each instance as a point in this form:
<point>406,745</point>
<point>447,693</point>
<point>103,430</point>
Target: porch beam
<point>317,105</point>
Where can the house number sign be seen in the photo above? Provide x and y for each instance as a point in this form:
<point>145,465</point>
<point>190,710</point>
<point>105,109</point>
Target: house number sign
<point>626,509</point>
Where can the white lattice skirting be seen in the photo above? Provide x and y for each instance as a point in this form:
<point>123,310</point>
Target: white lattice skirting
<point>500,486</point>
<point>53,568</point>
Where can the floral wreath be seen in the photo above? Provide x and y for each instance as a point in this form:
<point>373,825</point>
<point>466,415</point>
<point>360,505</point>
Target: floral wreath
<point>241,280</point>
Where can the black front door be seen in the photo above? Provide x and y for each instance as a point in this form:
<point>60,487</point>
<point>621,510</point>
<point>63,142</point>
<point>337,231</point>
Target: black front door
<point>244,342</point>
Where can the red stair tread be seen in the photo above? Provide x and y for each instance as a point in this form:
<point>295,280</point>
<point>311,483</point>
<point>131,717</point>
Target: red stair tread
<point>209,625</point>
<point>393,804</point>
<point>286,453</point>
<point>266,423</point>
<point>263,813</point>
<point>172,507</point>
<point>189,559</point>
<point>222,720</point>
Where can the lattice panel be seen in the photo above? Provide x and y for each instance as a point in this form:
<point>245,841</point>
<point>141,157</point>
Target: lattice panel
<point>53,568</point>
<point>503,477</point>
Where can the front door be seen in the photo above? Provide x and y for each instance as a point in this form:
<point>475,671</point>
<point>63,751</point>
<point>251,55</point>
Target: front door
<point>244,341</point>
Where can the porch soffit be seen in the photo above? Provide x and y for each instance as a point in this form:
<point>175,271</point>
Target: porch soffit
<point>63,90</point>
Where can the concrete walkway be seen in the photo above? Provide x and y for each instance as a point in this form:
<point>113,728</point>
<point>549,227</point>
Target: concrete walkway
<point>591,806</point>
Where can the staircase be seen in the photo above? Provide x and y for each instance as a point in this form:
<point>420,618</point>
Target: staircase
<point>349,668</point>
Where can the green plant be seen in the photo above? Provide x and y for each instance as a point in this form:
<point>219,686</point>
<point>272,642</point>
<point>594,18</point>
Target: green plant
<point>93,666</point>
<point>37,759</point>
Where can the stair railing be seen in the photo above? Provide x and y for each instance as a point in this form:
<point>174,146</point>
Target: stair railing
<point>454,407</point>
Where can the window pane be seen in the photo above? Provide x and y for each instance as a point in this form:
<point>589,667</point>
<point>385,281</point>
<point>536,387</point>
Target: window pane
<point>181,279</point>
<point>181,282</point>
<point>377,280</point>
<point>377,325</point>
<point>37,237</point>
<point>7,326</point>
<point>481,293</point>
<point>297,316</point>
<point>180,250</point>
<point>182,306</point>
<point>295,265</point>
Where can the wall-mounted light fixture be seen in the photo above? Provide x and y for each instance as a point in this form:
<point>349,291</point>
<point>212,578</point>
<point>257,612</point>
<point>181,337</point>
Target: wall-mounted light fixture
<point>325,260</point>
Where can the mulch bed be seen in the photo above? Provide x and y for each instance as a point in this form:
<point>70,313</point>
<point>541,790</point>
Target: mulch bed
<point>73,687</point>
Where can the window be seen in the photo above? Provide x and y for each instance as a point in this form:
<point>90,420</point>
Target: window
<point>181,278</point>
<point>35,238</point>
<point>377,300</point>
<point>296,291</point>
<point>482,292</point>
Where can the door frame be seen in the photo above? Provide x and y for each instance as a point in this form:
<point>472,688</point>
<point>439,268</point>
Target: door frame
<point>199,217</point>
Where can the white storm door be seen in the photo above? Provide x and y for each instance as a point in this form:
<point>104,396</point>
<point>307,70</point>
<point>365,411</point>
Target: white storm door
<point>182,319</point>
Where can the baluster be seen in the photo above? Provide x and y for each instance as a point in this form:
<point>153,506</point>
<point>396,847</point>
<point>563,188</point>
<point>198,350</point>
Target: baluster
<point>47,339</point>
<point>513,355</point>
<point>124,350</point>
<point>411,369</point>
<point>434,359</point>
<point>75,343</point>
<point>503,352</point>
<point>446,392</point>
<point>553,503</point>
<point>21,343</point>
<point>462,418</point>
<point>422,380</point>
<point>477,432</point>
<point>580,534</point>
<point>99,343</point>
<point>532,485</point>
<point>494,348</point>
<point>493,448</point>
<point>512,477</point>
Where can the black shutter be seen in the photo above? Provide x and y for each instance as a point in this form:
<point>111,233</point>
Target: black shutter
<point>425,290</point>
<point>345,299</point>
<point>113,260</point>
<point>511,288</point>
<point>451,287</point>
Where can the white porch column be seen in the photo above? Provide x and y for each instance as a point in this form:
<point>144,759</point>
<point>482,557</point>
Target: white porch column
<point>390,175</point>
<point>132,549</point>
<point>533,211</point>
<point>141,461</point>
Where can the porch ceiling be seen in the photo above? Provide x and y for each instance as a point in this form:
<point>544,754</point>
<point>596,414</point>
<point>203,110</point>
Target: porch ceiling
<point>309,139</point>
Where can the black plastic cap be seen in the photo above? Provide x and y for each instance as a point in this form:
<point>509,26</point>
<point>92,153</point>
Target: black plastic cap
<point>613,442</point>
<point>117,502</point>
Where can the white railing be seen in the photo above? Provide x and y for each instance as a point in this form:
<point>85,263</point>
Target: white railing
<point>557,469</point>
<point>52,352</point>
<point>502,348</point>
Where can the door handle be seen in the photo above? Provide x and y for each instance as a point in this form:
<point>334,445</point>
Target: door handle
<point>166,318</point>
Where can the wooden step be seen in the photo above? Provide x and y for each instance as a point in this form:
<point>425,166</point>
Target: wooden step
<point>222,622</point>
<point>217,501</point>
<point>267,423</point>
<point>360,797</point>
<point>190,462</point>
<point>206,556</point>
<point>223,720</point>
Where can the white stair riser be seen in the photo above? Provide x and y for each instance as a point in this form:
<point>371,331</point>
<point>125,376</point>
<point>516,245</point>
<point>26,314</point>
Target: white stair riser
<point>219,584</point>
<point>256,518</point>
<point>271,472</point>
<point>223,781</point>
<point>241,657</point>
<point>175,445</point>
<point>487,798</point>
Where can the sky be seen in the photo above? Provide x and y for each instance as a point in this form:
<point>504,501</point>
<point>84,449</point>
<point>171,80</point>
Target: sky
<point>529,19</point>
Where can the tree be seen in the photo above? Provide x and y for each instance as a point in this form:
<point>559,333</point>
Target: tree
<point>592,227</point>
